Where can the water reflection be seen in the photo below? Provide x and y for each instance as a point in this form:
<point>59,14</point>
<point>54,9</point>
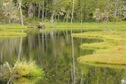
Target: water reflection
<point>9,48</point>
<point>56,52</point>
<point>52,51</point>
<point>25,80</point>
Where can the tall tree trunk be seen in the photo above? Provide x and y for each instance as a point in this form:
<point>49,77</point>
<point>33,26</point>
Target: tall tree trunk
<point>81,12</point>
<point>21,15</point>
<point>53,11</point>
<point>116,9</point>
<point>38,10</point>
<point>30,10</point>
<point>58,18</point>
<point>72,11</point>
<point>52,16</point>
<point>34,8</point>
<point>46,11</point>
<point>67,17</point>
<point>43,10</point>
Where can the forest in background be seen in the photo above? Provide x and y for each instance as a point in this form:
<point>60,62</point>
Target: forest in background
<point>61,11</point>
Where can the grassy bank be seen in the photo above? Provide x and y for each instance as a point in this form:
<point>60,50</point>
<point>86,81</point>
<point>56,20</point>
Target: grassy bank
<point>12,30</point>
<point>16,29</point>
<point>110,51</point>
<point>85,25</point>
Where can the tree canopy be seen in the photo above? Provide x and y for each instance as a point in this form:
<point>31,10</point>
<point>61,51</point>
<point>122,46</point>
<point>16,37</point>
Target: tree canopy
<point>62,10</point>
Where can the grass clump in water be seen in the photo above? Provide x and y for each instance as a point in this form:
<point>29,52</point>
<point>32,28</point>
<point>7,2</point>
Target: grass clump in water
<point>26,69</point>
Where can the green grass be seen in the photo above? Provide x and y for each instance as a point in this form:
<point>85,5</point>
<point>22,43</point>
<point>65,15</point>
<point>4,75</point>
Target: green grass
<point>22,72</point>
<point>12,30</point>
<point>85,25</point>
<point>27,69</point>
<point>12,26</point>
<point>4,34</point>
<point>111,51</point>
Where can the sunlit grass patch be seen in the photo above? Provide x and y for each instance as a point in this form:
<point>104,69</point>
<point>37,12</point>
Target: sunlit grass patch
<point>12,30</point>
<point>27,69</point>
<point>3,33</point>
<point>12,26</point>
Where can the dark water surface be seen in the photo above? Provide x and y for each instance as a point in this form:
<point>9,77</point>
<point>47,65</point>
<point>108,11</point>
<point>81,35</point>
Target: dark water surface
<point>56,53</point>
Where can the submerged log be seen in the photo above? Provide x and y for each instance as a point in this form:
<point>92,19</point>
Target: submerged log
<point>41,26</point>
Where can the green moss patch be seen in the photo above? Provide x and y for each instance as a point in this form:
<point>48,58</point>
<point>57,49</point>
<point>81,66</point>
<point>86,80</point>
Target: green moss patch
<point>111,51</point>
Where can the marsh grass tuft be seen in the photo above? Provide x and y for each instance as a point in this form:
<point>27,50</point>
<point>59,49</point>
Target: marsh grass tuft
<point>23,68</point>
<point>26,69</point>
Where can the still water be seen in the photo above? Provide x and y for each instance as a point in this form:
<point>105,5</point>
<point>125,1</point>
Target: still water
<point>56,53</point>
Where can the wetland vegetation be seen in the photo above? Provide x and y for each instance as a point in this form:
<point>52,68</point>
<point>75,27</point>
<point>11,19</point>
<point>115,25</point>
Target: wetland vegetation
<point>69,41</point>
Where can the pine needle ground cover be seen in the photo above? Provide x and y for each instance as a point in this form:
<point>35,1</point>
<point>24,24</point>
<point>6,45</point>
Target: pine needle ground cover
<point>112,50</point>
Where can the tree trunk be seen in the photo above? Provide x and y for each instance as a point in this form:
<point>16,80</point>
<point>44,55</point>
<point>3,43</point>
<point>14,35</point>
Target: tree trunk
<point>46,11</point>
<point>72,11</point>
<point>30,10</point>
<point>58,18</point>
<point>52,17</point>
<point>81,13</point>
<point>38,10</point>
<point>34,8</point>
<point>21,15</point>
<point>53,11</point>
<point>67,17</point>
<point>43,10</point>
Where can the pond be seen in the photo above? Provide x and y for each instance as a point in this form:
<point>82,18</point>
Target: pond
<point>56,52</point>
